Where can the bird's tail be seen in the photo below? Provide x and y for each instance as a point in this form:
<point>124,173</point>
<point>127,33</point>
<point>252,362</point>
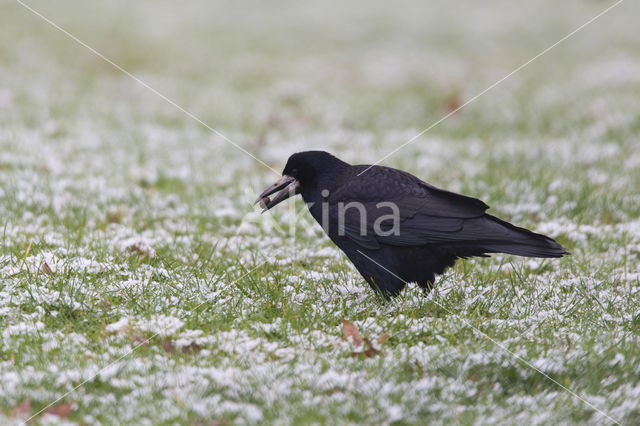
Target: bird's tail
<point>497,236</point>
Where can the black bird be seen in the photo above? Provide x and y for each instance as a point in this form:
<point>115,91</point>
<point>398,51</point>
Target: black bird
<point>394,227</point>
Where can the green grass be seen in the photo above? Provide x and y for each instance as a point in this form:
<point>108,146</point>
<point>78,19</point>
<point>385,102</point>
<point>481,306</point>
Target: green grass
<point>169,299</point>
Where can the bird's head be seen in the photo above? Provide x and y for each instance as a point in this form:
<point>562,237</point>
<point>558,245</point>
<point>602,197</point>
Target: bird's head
<point>302,174</point>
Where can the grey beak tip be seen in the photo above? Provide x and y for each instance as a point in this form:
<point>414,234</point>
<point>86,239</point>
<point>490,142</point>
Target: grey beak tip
<point>287,186</point>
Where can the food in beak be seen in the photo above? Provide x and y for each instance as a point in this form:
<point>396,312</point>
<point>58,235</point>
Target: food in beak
<point>264,202</point>
<point>287,185</point>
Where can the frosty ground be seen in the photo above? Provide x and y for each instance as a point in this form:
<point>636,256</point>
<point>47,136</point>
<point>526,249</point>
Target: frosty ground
<point>133,263</point>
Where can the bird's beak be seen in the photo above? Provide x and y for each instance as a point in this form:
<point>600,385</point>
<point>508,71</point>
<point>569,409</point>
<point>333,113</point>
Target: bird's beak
<point>288,187</point>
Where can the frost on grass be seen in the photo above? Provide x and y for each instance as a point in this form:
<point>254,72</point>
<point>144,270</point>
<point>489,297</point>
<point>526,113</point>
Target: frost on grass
<point>132,257</point>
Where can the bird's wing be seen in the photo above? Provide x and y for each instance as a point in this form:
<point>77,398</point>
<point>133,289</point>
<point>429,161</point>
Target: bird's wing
<point>408,211</point>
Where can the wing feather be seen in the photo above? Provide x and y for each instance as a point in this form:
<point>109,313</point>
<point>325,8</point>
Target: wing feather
<point>426,214</point>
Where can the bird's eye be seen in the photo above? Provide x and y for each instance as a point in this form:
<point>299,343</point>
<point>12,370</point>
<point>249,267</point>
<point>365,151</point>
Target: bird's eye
<point>294,172</point>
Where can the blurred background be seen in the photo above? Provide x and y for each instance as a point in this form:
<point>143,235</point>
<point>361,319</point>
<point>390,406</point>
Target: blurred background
<point>357,80</point>
<point>285,76</point>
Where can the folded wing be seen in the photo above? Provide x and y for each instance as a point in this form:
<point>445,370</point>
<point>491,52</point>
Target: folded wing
<point>405,211</point>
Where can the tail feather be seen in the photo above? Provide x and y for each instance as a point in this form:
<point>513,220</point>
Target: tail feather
<point>488,234</point>
<point>512,239</point>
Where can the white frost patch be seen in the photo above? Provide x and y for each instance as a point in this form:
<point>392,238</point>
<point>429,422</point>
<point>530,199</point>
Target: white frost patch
<point>120,325</point>
<point>161,325</point>
<point>395,413</point>
<point>91,266</point>
<point>22,328</point>
<point>44,262</point>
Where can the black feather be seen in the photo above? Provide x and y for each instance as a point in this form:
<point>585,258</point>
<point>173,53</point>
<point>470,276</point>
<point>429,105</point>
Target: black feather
<point>436,227</point>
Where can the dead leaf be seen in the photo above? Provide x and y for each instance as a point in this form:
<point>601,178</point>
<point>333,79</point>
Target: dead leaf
<point>168,346</point>
<point>351,330</point>
<point>22,410</point>
<point>61,410</point>
<point>369,352</point>
<point>419,368</point>
<point>46,269</point>
<point>26,254</point>
<point>453,103</point>
<point>141,341</point>
<point>114,217</point>
<point>142,249</point>
<point>191,347</point>
<point>383,338</point>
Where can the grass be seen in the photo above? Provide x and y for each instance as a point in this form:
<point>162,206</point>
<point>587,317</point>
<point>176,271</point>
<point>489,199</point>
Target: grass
<point>166,298</point>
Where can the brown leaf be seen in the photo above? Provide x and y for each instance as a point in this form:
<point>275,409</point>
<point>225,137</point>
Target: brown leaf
<point>168,346</point>
<point>383,338</point>
<point>46,269</point>
<point>369,352</point>
<point>191,347</point>
<point>142,249</point>
<point>141,341</point>
<point>114,217</point>
<point>452,103</point>
<point>22,410</point>
<point>351,330</point>
<point>419,368</point>
<point>61,410</point>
